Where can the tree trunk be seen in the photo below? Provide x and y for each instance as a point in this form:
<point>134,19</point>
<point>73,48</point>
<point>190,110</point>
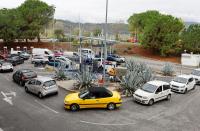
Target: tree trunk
<point>38,37</point>
<point>26,40</point>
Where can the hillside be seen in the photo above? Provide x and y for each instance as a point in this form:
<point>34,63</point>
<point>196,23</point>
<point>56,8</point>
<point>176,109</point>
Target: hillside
<point>89,27</point>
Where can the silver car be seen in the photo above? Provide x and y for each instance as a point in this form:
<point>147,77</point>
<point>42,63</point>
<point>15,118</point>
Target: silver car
<point>42,86</point>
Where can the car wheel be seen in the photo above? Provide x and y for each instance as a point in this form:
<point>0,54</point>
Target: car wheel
<point>26,89</point>
<point>74,107</point>
<point>21,83</point>
<point>40,95</point>
<point>185,91</point>
<point>151,102</point>
<point>169,97</point>
<point>111,106</point>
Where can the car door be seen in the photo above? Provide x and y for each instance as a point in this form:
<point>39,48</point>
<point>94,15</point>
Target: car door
<point>166,90</point>
<point>31,85</point>
<point>89,101</point>
<point>190,83</point>
<point>37,87</point>
<point>159,93</point>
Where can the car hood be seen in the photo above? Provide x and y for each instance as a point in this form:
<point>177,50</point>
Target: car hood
<point>142,93</point>
<point>195,76</point>
<point>177,84</point>
<point>72,97</point>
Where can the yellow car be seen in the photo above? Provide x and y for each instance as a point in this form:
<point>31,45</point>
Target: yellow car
<point>94,97</point>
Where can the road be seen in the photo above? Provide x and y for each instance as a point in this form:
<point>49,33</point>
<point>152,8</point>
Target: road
<point>158,65</point>
<point>29,113</point>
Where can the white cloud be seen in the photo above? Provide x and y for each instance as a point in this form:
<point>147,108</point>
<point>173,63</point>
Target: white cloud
<point>94,10</point>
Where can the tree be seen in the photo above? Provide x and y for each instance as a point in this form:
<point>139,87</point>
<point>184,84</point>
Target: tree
<point>190,38</point>
<point>36,14</point>
<point>159,32</point>
<point>9,24</point>
<point>97,32</point>
<point>59,33</point>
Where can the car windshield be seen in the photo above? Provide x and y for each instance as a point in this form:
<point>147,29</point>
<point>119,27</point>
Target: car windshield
<point>83,93</point>
<point>196,72</point>
<point>180,80</point>
<point>29,73</point>
<point>149,88</point>
<point>49,83</point>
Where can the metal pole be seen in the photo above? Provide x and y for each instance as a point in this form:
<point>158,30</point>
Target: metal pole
<point>54,44</point>
<point>80,49</point>
<point>105,47</point>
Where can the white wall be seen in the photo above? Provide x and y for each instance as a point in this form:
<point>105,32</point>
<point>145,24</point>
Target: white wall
<point>190,59</point>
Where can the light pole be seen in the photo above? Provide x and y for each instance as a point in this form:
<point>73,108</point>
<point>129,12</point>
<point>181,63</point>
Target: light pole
<point>80,49</point>
<point>105,46</point>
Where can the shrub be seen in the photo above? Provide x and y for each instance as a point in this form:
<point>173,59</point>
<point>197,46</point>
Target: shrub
<point>137,75</point>
<point>129,48</point>
<point>168,69</point>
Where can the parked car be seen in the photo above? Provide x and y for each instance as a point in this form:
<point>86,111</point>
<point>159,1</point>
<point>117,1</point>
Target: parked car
<point>15,60</point>
<point>23,75</point>
<point>152,92</point>
<point>183,83</point>
<point>58,53</point>
<point>65,60</point>
<point>196,75</point>
<point>39,59</point>
<point>117,58</point>
<point>5,66</point>
<point>94,97</point>
<point>42,86</point>
<point>25,55</point>
<point>53,62</point>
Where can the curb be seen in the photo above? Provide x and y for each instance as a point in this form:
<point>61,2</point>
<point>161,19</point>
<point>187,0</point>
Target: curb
<point>72,91</point>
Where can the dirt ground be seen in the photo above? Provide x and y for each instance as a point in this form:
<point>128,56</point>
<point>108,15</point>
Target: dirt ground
<point>137,50</point>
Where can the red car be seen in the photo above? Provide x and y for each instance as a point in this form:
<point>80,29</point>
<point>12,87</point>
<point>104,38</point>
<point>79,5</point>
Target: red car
<point>58,53</point>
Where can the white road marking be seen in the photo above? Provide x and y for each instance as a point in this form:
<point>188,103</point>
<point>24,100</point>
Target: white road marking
<point>1,129</point>
<point>107,124</point>
<point>46,107</point>
<point>8,99</point>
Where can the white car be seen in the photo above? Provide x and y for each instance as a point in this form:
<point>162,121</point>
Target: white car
<point>64,59</point>
<point>39,58</point>
<point>153,91</point>
<point>196,75</point>
<point>5,66</point>
<point>182,83</point>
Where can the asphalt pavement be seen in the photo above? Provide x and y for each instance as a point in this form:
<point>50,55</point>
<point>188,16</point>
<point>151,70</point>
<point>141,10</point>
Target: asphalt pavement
<point>20,111</point>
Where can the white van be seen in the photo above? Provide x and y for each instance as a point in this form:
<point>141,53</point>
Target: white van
<point>42,52</point>
<point>87,52</point>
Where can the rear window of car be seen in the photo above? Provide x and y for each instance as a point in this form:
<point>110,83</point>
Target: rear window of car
<point>29,73</point>
<point>49,83</point>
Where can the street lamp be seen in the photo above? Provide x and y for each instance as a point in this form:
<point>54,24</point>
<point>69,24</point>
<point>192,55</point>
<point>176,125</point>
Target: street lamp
<point>105,46</point>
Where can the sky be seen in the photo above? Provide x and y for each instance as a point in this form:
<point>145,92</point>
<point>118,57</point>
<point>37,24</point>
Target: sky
<point>118,10</point>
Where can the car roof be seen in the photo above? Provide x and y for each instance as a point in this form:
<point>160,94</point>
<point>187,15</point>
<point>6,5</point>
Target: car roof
<point>185,76</point>
<point>97,89</point>
<point>25,70</point>
<point>43,78</point>
<point>158,83</point>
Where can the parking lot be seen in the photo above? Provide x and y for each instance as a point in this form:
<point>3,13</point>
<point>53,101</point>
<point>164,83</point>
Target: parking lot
<point>21,111</point>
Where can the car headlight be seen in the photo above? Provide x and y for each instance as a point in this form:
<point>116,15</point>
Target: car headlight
<point>182,86</point>
<point>145,97</point>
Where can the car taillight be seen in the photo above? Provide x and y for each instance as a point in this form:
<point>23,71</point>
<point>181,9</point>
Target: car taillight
<point>24,78</point>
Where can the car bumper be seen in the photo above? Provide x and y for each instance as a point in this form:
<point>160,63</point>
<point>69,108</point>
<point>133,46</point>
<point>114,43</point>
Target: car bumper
<point>66,106</point>
<point>49,92</point>
<point>140,100</point>
<point>180,90</point>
